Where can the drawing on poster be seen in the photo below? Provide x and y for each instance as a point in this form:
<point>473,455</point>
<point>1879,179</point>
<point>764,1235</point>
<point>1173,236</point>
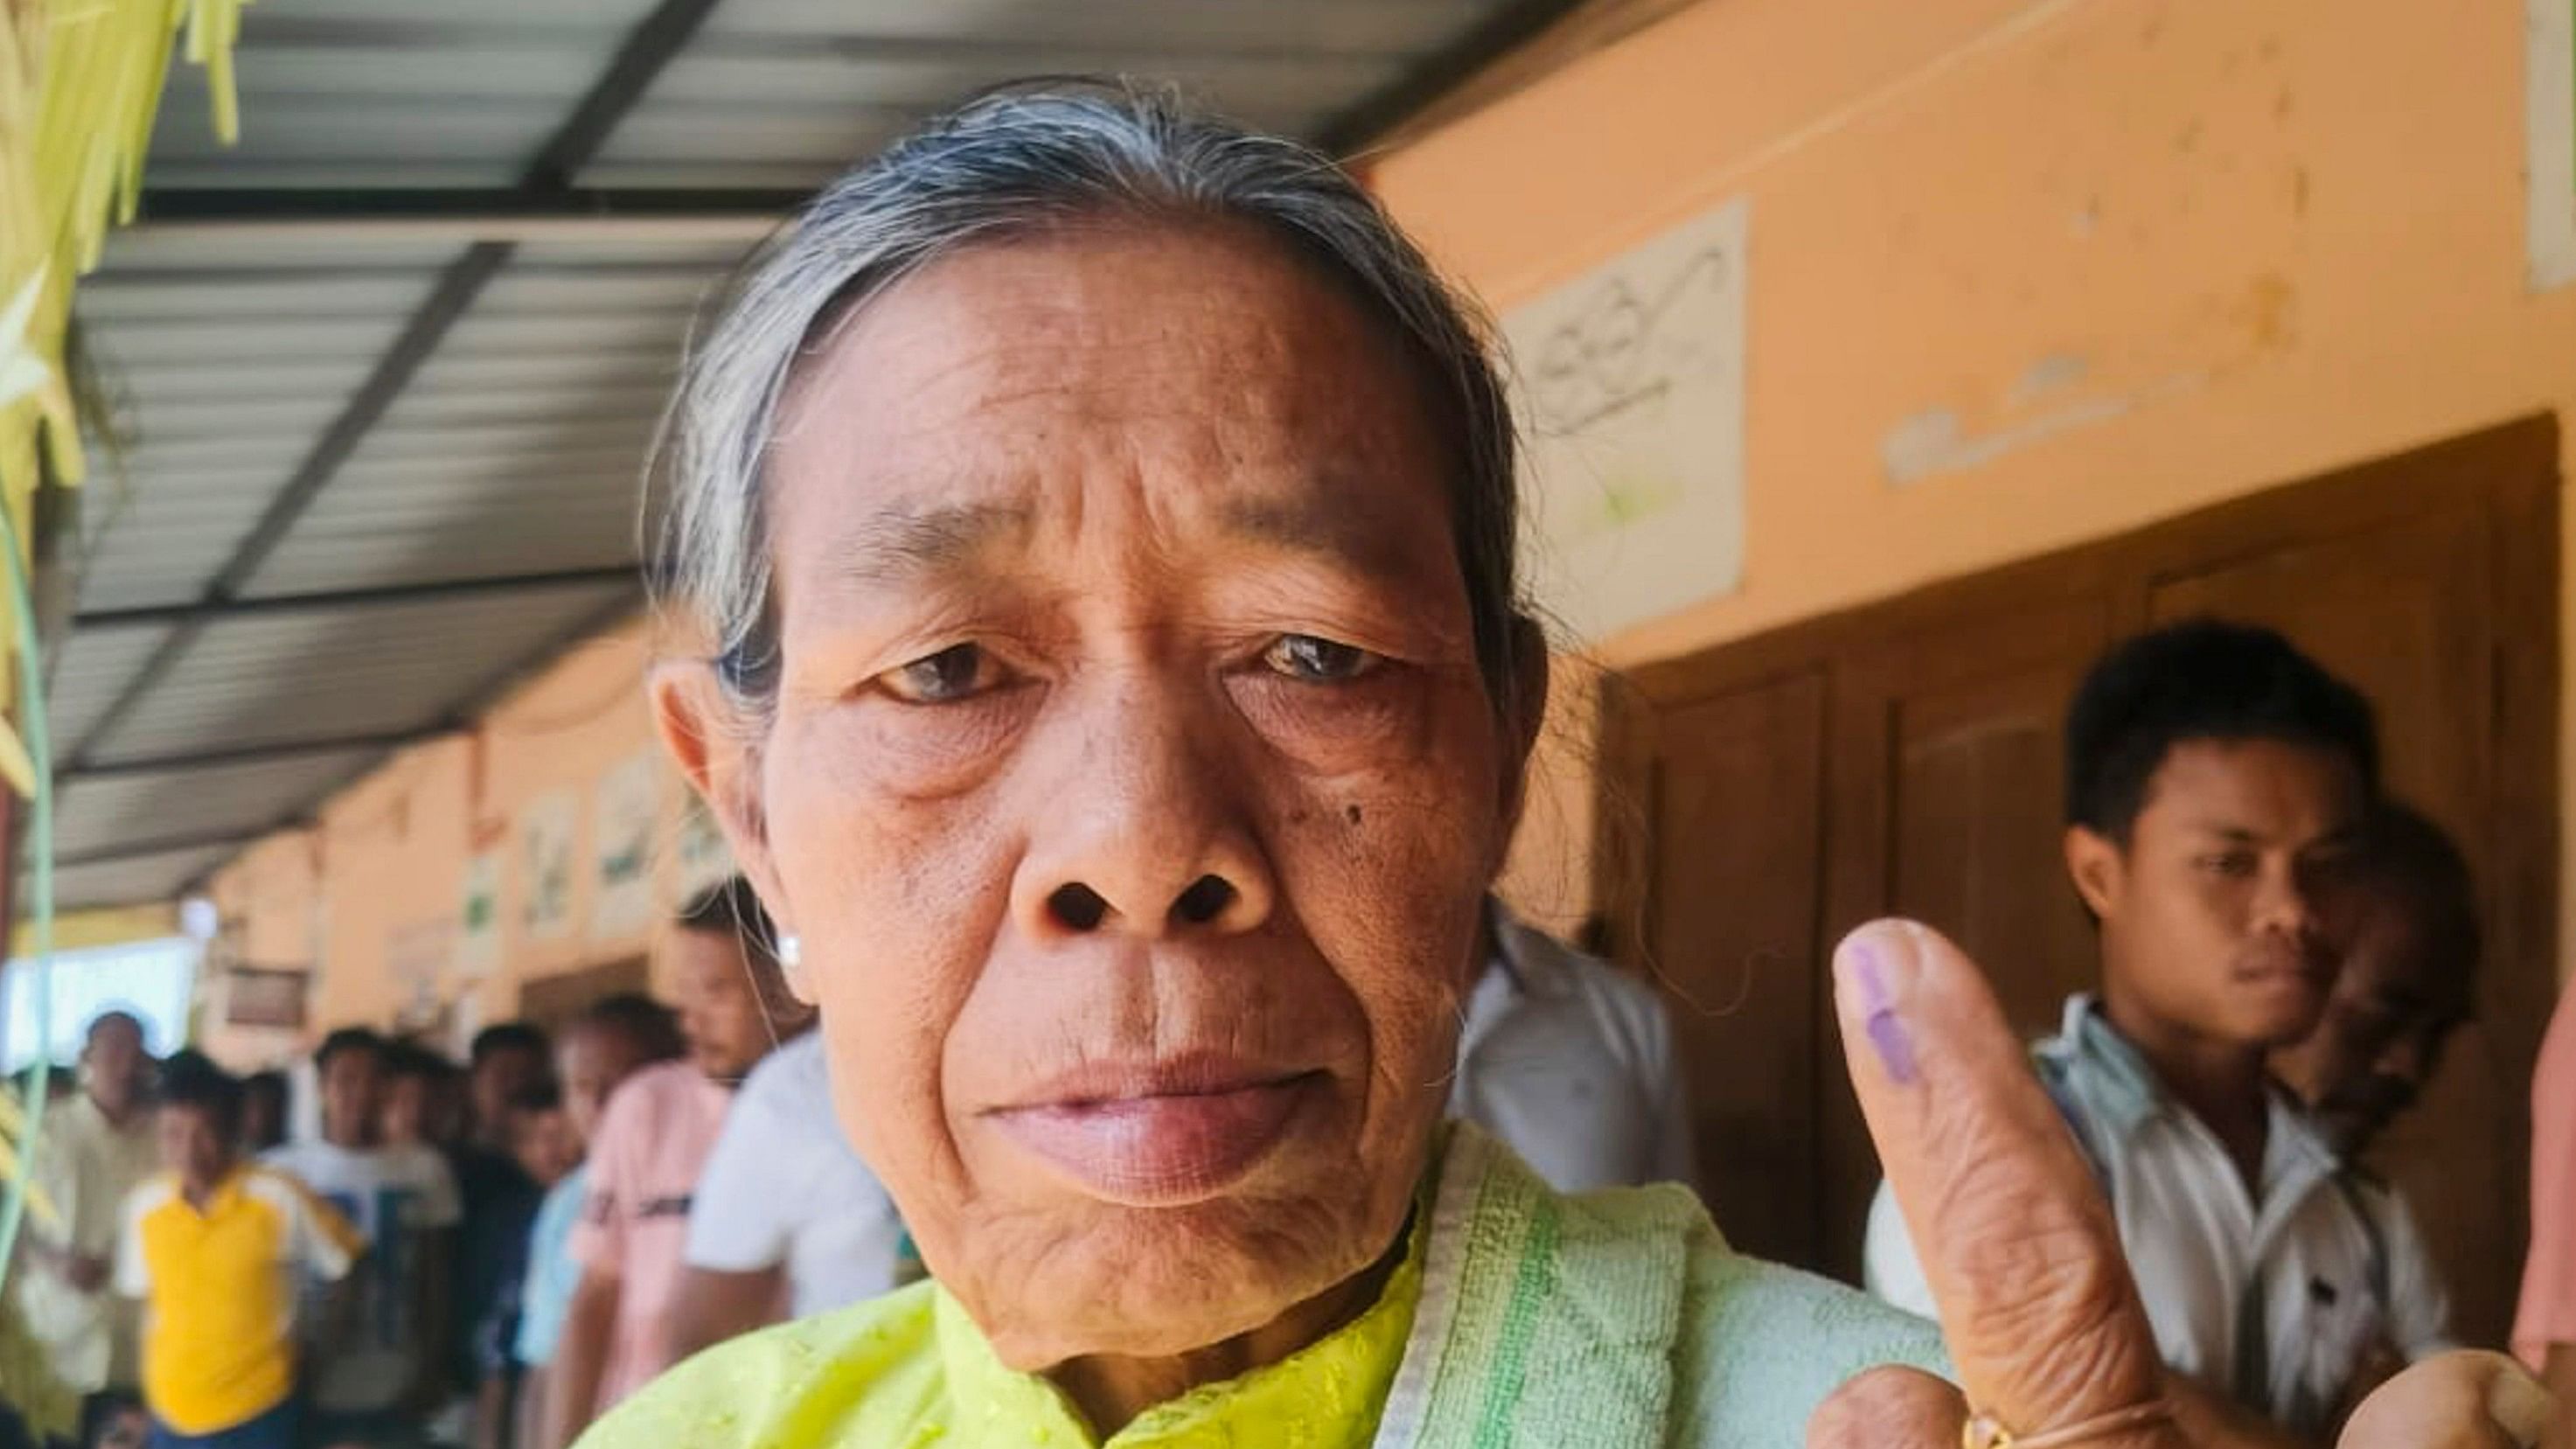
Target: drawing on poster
<point>623,814</point>
<point>416,956</point>
<point>2549,171</point>
<point>546,826</point>
<point>1631,393</point>
<point>478,918</point>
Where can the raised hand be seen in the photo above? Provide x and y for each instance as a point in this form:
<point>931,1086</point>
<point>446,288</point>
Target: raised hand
<point>2043,1324</point>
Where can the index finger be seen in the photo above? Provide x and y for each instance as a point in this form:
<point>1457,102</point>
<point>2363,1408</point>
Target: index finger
<point>2024,1261</point>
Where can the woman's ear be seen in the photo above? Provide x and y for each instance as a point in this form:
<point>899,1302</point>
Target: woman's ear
<point>704,733</point>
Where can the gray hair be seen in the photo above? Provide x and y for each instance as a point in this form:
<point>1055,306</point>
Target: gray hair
<point>1012,162</point>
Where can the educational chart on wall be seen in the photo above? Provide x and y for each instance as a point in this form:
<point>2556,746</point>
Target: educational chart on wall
<point>1630,385</point>
<point>416,957</point>
<point>2549,76</point>
<point>546,826</point>
<point>623,815</point>
<point>478,917</point>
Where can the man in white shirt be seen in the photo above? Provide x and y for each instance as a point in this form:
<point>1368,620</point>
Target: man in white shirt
<point>2217,787</point>
<point>1569,1061</point>
<point>378,1364</point>
<point>785,1215</point>
<point>98,1146</point>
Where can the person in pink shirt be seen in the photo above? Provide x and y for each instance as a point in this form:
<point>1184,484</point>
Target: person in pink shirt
<point>2544,1332</point>
<point>652,1142</point>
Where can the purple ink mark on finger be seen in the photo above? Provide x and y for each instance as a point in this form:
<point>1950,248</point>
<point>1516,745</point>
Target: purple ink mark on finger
<point>1886,1030</point>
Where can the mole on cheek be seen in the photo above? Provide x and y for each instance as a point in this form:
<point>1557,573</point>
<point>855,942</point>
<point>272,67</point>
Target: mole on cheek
<point>1351,813</point>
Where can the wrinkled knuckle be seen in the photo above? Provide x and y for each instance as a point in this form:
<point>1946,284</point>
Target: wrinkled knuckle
<point>2030,1268</point>
<point>1885,1407</point>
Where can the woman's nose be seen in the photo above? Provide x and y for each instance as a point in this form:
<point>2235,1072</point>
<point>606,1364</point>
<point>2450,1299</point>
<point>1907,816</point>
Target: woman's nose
<point>1211,900</point>
<point>1147,827</point>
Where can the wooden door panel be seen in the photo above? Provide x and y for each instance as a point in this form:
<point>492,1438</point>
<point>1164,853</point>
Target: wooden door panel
<point>1976,825</point>
<point>1945,763</point>
<point>1737,821</point>
<point>2402,611</point>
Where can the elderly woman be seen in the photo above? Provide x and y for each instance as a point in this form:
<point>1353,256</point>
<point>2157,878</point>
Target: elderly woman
<point>1094,528</point>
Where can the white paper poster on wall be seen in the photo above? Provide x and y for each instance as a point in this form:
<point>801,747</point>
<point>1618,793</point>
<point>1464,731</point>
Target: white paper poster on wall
<point>415,956</point>
<point>2549,79</point>
<point>623,816</point>
<point>478,918</point>
<point>1631,395</point>
<point>704,858</point>
<point>546,826</point>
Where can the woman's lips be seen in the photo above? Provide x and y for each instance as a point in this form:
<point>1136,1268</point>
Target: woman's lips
<point>1159,1137</point>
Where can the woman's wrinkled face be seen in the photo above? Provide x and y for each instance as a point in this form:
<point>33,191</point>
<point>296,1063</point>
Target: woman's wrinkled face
<point>1132,783</point>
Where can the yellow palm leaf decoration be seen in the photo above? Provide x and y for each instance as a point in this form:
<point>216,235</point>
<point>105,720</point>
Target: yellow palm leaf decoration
<point>80,84</point>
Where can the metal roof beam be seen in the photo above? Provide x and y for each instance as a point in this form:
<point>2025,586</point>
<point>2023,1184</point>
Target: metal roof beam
<point>650,47</point>
<point>382,597</point>
<point>170,845</point>
<point>287,752</point>
<point>1509,28</point>
<point>412,215</point>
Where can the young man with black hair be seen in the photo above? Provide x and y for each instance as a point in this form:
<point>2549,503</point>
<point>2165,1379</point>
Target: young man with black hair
<point>652,1147</point>
<point>381,1366</point>
<point>213,1247</point>
<point>408,1106</point>
<point>2218,782</point>
<point>506,1060</point>
<point>610,1041</point>
<point>264,1111</point>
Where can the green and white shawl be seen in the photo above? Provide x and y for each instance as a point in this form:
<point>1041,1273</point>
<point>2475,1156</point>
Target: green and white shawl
<point>1616,1319</point>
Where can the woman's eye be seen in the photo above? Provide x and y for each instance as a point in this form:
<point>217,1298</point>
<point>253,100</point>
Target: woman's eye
<point>957,672</point>
<point>1311,660</point>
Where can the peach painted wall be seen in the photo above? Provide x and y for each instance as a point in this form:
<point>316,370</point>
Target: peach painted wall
<point>2147,254</point>
<point>374,893</point>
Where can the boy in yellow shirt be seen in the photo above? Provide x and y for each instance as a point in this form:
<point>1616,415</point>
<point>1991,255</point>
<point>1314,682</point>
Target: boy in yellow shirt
<point>213,1246</point>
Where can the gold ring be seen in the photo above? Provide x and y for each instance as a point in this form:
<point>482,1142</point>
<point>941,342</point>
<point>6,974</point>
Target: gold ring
<point>1984,1431</point>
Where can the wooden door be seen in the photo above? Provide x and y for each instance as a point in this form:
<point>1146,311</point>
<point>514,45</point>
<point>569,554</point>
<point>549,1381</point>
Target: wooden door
<point>2428,579</point>
<point>1734,964</point>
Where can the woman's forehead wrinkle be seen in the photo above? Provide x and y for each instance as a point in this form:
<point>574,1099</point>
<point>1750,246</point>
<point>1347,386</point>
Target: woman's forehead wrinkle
<point>1336,525</point>
<point>909,540</point>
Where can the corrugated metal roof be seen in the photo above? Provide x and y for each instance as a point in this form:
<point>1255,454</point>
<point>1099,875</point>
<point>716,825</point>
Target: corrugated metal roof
<point>385,381</point>
<point>316,675</point>
<point>113,812</point>
<point>149,875</point>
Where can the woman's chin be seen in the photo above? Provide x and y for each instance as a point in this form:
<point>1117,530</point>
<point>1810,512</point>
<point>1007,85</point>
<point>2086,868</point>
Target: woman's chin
<point>1159,1283</point>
